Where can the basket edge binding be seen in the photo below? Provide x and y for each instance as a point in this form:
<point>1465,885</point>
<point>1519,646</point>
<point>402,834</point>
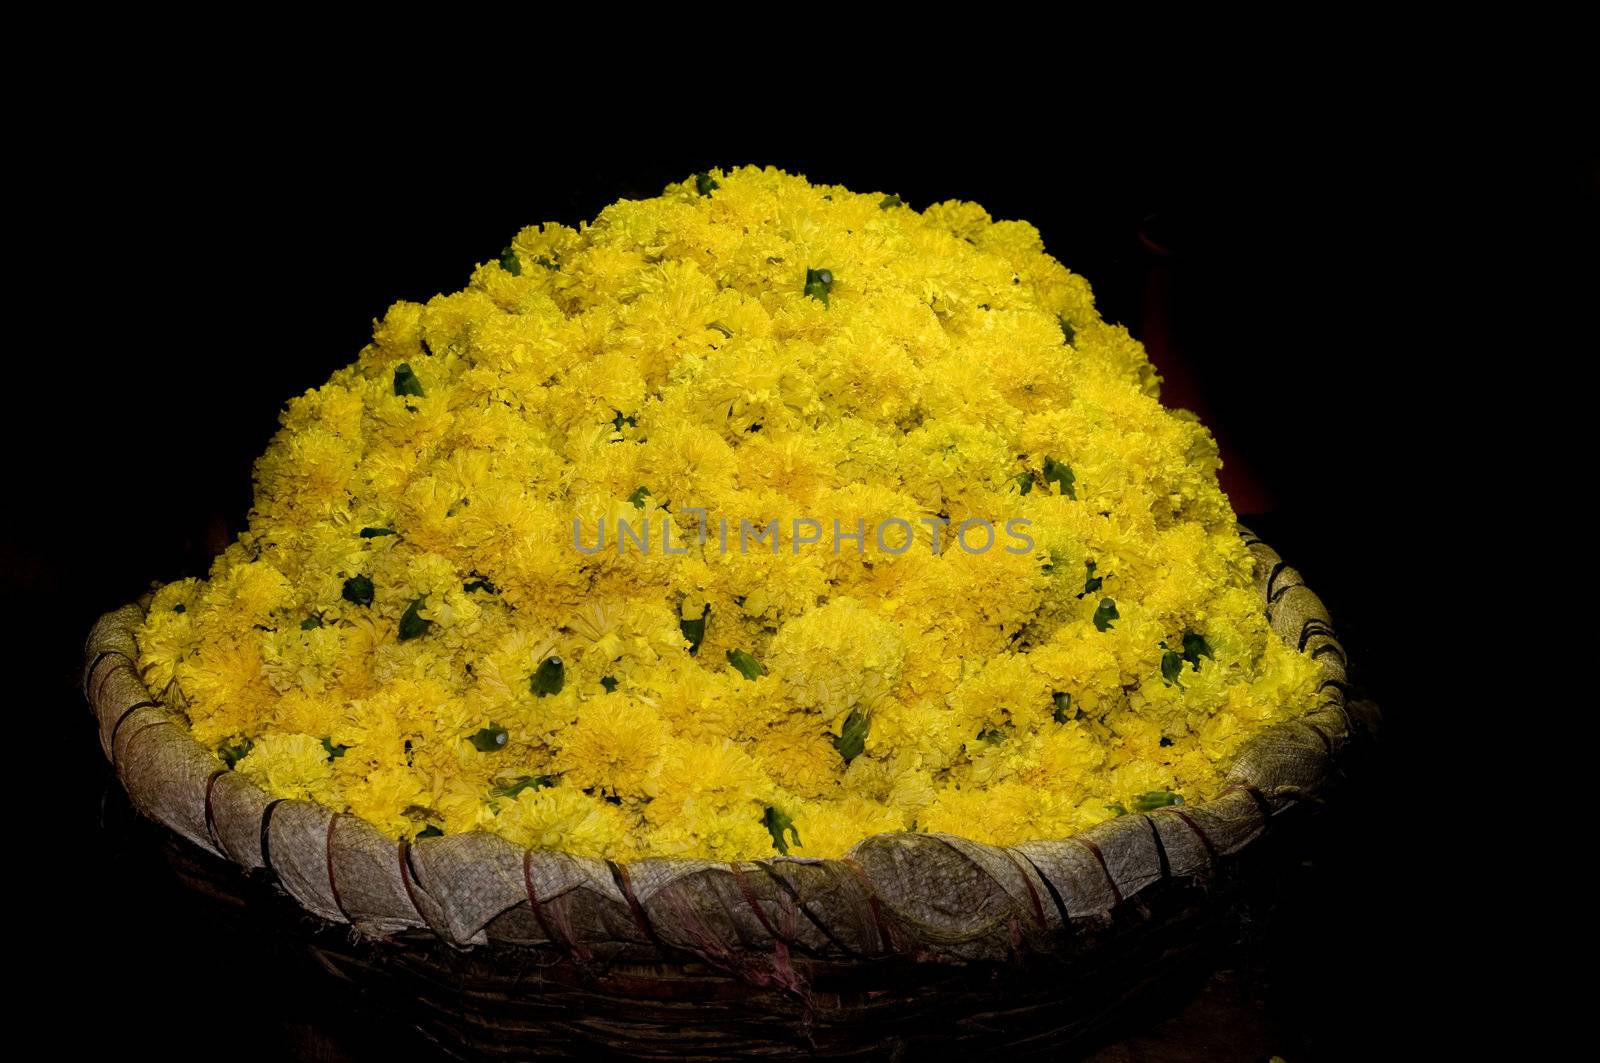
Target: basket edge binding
<point>877,901</point>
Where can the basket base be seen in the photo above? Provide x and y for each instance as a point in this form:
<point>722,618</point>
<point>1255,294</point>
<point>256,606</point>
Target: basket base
<point>359,1000</point>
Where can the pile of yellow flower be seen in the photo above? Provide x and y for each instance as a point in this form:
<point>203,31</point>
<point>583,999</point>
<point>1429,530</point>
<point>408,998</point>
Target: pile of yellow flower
<point>408,630</point>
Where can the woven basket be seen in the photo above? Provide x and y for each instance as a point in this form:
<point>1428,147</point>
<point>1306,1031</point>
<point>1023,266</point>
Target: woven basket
<point>912,942</point>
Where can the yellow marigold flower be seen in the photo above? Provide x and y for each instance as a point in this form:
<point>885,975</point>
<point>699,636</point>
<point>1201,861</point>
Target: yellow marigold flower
<point>799,753</point>
<point>711,831</point>
<point>384,796</point>
<point>290,765</point>
<point>566,819</point>
<point>224,690</point>
<point>832,828</point>
<point>711,773</point>
<point>612,746</point>
<point>1003,814</point>
<point>1136,778</point>
<point>168,635</point>
<point>838,656</point>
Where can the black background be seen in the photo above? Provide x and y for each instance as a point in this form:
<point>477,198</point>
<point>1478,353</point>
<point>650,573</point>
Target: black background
<point>220,268</point>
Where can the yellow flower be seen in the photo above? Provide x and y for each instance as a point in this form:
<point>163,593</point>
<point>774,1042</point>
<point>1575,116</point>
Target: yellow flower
<point>715,774</point>
<point>1003,814</point>
<point>566,819</point>
<point>711,831</point>
<point>384,796</point>
<point>290,765</point>
<point>831,828</point>
<point>612,746</point>
<point>837,657</point>
<point>801,755</point>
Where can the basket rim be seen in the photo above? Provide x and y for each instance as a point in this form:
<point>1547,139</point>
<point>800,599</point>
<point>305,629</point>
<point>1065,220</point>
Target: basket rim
<point>342,870</point>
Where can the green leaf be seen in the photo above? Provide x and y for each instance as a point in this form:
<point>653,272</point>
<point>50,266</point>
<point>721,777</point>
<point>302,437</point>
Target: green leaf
<point>373,533</point>
<point>609,682</point>
<point>527,782</point>
<point>311,623</point>
<point>852,739</point>
<point>1116,809</point>
<point>405,381</point>
<point>491,739</point>
<point>1057,473</point>
<point>621,419</point>
<point>1196,647</point>
<point>549,677</point>
<point>705,184</point>
<point>819,284</point>
<point>889,201</point>
<point>358,590</point>
<point>1105,613</point>
<point>1068,333</point>
<point>1024,482</point>
<point>1171,668</point>
<point>993,735</point>
<point>510,262</point>
<point>334,752</point>
<point>430,831</point>
<point>1091,582</point>
<point>412,624</point>
<point>745,664</point>
<point>1064,712</point>
<point>233,752</point>
<point>1155,799</point>
<point>695,630</point>
<point>779,826</point>
<point>478,585</point>
<point>636,500</point>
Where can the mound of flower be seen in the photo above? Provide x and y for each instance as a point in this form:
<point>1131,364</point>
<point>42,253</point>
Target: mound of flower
<point>422,626</point>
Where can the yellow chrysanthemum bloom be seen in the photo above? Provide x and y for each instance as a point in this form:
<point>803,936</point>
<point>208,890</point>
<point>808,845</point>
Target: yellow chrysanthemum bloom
<point>756,517</point>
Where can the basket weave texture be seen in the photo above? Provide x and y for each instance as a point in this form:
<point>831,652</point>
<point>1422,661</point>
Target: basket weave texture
<point>908,936</point>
